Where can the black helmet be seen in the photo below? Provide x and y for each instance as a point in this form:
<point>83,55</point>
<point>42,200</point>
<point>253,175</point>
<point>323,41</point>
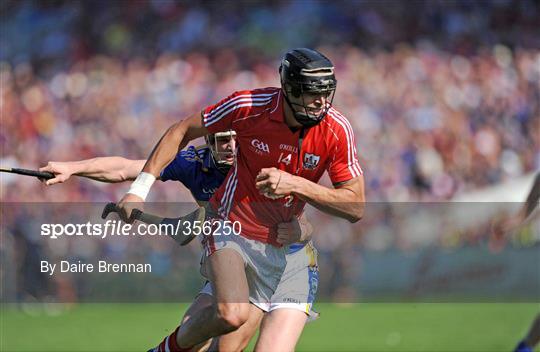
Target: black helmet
<point>307,71</point>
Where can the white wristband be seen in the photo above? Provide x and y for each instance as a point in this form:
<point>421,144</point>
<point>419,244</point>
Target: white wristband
<point>141,186</point>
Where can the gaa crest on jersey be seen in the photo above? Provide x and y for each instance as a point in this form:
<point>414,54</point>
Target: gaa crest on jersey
<point>260,146</point>
<point>311,161</point>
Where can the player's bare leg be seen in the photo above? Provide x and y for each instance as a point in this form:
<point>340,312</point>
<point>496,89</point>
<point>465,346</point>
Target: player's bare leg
<point>201,302</point>
<point>239,339</point>
<point>234,341</point>
<point>230,309</point>
<point>280,330</point>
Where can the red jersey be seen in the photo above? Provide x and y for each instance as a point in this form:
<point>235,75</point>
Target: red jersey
<point>264,140</point>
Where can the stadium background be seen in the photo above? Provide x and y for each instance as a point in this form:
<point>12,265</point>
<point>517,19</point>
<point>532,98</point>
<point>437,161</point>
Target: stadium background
<point>444,100</point>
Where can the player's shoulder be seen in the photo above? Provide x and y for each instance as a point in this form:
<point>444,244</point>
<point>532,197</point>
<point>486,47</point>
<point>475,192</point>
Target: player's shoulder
<point>258,92</point>
<point>191,154</point>
<point>253,98</point>
<point>242,102</point>
<point>335,117</point>
<point>338,122</point>
<point>203,151</point>
<point>253,102</point>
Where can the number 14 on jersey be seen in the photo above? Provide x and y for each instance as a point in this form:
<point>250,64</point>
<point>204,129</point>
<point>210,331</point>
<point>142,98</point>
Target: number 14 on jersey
<point>285,159</point>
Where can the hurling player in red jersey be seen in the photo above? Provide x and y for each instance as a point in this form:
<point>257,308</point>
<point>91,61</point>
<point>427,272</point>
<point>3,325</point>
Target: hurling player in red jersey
<point>288,137</point>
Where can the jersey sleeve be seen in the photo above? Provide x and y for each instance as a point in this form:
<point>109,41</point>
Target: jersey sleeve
<point>220,117</point>
<point>344,164</point>
<point>181,168</point>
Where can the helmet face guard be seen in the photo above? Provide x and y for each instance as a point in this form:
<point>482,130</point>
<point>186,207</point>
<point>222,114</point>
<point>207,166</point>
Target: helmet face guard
<point>220,157</point>
<point>305,72</point>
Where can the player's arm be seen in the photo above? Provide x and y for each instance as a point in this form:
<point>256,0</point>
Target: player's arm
<point>104,169</point>
<point>346,200</point>
<point>174,139</point>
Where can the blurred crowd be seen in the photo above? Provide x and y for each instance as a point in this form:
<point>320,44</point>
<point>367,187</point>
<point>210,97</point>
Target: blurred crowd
<point>429,124</point>
<point>444,96</point>
<point>59,32</point>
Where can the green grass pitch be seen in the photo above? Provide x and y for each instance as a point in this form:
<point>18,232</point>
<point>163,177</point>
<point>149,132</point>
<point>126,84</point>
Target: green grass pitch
<point>360,327</point>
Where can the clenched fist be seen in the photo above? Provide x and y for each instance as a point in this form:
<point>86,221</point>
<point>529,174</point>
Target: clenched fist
<point>274,183</point>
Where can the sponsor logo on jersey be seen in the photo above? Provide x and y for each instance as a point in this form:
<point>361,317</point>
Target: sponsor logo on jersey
<point>209,190</point>
<point>261,146</point>
<point>311,161</point>
<point>288,148</point>
<point>291,300</point>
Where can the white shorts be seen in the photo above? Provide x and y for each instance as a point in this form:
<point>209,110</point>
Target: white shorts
<point>297,287</point>
<point>264,263</point>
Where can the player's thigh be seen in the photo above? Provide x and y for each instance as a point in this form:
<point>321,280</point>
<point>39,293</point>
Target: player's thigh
<point>226,271</point>
<point>239,339</point>
<point>201,302</point>
<point>280,330</point>
<point>227,275</point>
<point>298,286</point>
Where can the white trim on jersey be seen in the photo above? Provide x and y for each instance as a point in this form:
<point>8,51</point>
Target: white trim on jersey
<point>227,189</point>
<point>222,110</point>
<point>352,161</point>
<point>210,121</point>
<point>225,208</point>
<point>224,113</point>
<point>230,200</point>
<point>225,104</point>
<point>228,195</point>
<point>277,101</point>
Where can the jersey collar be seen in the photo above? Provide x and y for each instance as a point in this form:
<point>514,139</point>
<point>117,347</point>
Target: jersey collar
<point>276,111</point>
<point>208,160</point>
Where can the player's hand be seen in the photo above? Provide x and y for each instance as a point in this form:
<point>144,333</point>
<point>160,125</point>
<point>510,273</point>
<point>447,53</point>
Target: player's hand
<point>274,183</point>
<point>61,170</point>
<point>127,204</point>
<point>297,230</point>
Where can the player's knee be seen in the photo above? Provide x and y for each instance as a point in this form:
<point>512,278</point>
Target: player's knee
<point>232,315</point>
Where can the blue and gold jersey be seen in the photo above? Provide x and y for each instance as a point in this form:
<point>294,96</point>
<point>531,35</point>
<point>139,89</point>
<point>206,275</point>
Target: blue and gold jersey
<point>195,168</point>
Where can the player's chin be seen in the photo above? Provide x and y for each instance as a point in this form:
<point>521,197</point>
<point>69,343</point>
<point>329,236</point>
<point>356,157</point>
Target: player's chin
<point>312,114</point>
<point>229,159</point>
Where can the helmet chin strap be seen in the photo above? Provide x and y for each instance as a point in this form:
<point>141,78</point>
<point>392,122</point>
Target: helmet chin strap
<point>301,118</point>
<point>222,166</point>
